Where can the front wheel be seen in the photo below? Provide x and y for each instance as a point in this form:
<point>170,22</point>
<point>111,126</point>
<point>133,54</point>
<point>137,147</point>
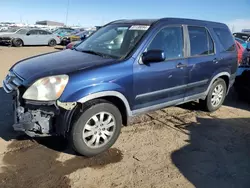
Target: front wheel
<point>97,128</point>
<point>17,42</point>
<point>216,96</point>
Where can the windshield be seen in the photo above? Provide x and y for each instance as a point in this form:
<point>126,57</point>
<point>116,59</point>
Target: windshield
<point>114,40</point>
<point>12,30</point>
<point>242,36</point>
<point>63,30</point>
<point>22,31</point>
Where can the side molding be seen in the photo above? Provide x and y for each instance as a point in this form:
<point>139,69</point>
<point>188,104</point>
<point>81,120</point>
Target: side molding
<point>106,94</point>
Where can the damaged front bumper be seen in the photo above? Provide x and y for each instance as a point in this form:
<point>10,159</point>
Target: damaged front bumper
<point>38,119</point>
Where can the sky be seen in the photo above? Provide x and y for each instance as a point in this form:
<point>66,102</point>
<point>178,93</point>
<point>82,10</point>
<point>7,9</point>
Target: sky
<point>98,12</point>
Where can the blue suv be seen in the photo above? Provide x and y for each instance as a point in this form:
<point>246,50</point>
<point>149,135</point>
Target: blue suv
<point>126,68</point>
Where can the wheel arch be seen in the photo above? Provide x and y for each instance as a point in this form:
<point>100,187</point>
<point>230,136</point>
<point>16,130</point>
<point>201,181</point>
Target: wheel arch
<point>112,96</point>
<point>224,75</point>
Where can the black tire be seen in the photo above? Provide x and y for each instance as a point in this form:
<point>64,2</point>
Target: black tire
<point>17,42</point>
<point>91,109</point>
<point>52,42</point>
<point>207,103</point>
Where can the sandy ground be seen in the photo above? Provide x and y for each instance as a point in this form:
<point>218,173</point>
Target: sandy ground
<point>174,147</point>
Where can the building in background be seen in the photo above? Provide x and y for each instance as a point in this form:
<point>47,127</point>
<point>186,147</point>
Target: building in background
<point>245,30</point>
<point>49,23</point>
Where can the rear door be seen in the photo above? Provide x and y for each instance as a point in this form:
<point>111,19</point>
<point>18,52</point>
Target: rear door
<point>202,61</point>
<point>44,37</point>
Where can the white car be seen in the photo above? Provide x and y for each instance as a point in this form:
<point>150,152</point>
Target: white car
<point>23,37</point>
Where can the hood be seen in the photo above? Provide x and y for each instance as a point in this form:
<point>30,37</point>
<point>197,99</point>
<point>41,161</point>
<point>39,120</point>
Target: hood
<point>55,63</point>
<point>6,33</point>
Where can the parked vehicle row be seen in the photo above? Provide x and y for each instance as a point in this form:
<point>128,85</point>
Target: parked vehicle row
<point>80,36</point>
<point>243,36</point>
<point>25,36</point>
<point>29,36</point>
<point>126,68</point>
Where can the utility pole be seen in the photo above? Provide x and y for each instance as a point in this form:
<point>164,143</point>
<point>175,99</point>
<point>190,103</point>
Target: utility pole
<point>233,29</point>
<point>67,14</point>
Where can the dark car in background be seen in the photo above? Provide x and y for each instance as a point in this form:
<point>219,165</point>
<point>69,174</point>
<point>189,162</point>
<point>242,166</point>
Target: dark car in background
<point>243,36</point>
<point>126,68</point>
<point>72,45</point>
<point>79,36</point>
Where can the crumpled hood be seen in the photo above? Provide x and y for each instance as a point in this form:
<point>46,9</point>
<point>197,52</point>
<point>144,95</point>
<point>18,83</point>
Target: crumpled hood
<point>56,63</point>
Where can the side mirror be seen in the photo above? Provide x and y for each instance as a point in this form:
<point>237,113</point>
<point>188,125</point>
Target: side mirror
<point>248,46</point>
<point>27,34</point>
<point>153,56</point>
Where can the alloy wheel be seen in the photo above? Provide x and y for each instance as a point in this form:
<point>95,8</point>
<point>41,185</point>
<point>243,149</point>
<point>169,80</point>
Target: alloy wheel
<point>217,95</point>
<point>99,129</point>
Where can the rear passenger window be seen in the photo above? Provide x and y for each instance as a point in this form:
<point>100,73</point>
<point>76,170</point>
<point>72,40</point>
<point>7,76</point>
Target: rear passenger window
<point>201,42</point>
<point>225,38</point>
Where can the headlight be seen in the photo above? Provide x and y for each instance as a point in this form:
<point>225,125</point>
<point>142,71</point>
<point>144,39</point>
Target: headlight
<point>47,89</point>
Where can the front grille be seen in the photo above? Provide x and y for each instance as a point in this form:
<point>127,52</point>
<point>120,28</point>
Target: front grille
<point>12,82</point>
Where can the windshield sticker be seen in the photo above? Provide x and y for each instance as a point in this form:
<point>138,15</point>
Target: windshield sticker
<point>139,27</point>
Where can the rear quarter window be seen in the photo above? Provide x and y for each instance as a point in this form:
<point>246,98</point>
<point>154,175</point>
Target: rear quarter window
<point>226,39</point>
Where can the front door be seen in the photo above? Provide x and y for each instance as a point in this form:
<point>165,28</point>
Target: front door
<point>160,84</point>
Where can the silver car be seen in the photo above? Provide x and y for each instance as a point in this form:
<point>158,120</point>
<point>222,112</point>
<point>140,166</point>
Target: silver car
<point>30,37</point>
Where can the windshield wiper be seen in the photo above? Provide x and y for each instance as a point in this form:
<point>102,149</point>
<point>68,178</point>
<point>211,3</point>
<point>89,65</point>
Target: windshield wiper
<point>94,53</point>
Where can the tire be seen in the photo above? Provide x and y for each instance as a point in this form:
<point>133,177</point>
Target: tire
<point>209,102</point>
<point>52,42</point>
<point>17,42</point>
<point>88,136</point>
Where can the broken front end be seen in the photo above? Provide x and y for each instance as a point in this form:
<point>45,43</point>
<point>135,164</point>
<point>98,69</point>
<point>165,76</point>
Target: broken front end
<point>37,118</point>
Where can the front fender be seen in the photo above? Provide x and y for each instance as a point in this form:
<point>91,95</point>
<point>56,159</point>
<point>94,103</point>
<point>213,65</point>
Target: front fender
<point>73,95</point>
<point>97,91</point>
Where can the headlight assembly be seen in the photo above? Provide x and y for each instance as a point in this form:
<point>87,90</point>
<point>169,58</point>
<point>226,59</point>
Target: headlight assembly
<point>47,89</point>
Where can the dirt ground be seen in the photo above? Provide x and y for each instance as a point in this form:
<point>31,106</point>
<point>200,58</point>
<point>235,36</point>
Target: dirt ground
<point>174,147</point>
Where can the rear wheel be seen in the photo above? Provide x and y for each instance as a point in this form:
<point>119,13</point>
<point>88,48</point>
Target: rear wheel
<point>216,96</point>
<point>17,42</point>
<point>97,128</point>
<point>52,42</point>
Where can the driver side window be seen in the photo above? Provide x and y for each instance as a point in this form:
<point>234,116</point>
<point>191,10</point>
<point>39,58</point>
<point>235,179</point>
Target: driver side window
<point>170,41</point>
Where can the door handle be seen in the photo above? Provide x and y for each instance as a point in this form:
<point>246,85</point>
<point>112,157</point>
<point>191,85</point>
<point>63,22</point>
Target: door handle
<point>181,65</point>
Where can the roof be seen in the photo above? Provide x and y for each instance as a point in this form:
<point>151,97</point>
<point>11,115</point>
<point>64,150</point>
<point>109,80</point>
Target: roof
<point>137,21</point>
<point>171,20</point>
